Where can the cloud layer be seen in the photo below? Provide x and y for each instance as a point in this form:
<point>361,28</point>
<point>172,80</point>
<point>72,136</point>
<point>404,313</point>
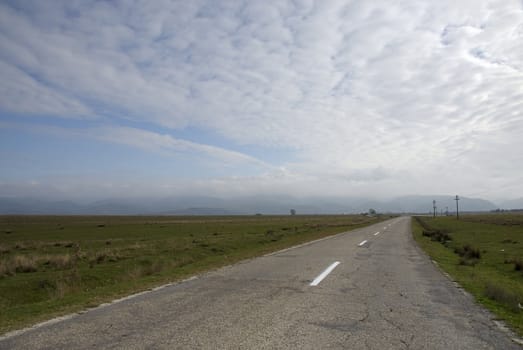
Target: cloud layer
<point>366,97</point>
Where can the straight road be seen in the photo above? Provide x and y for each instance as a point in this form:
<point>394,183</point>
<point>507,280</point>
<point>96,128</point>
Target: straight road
<point>371,288</point>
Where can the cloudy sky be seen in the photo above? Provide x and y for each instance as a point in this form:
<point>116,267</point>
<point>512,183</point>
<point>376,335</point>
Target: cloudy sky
<point>236,97</point>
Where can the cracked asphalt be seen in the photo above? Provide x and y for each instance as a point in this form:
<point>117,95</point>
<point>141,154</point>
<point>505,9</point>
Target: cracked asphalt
<point>385,294</point>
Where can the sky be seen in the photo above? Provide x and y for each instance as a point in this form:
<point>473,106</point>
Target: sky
<point>229,98</point>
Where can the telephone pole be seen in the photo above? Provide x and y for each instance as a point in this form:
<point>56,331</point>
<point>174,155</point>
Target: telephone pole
<point>434,206</point>
<point>457,207</point>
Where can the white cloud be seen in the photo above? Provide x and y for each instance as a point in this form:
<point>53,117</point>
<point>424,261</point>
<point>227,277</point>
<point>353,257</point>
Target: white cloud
<point>165,143</point>
<point>400,97</point>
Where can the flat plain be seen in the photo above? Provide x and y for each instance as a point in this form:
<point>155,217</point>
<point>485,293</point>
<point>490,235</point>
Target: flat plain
<point>382,292</point>
<point>54,265</point>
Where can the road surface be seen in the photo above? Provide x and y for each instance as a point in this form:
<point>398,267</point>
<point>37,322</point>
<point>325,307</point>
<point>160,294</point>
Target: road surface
<point>371,288</point>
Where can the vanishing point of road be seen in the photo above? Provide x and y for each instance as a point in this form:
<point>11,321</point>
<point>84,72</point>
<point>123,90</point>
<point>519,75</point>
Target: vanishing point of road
<point>370,288</point>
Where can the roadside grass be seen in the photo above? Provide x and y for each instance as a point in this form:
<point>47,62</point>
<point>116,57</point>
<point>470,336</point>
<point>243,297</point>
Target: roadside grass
<point>483,253</point>
<point>54,265</point>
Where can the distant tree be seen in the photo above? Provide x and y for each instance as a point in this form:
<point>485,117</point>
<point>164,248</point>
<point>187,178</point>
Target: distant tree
<point>372,211</point>
<point>293,212</point>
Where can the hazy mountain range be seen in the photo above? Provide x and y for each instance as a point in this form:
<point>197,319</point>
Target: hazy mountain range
<point>199,205</point>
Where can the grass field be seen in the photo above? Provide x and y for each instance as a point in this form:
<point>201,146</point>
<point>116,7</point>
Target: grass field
<point>52,265</point>
<point>484,254</point>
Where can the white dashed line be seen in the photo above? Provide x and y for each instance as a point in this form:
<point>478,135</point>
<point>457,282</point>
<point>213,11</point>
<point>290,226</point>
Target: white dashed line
<point>362,243</point>
<point>324,274</point>
<point>377,233</point>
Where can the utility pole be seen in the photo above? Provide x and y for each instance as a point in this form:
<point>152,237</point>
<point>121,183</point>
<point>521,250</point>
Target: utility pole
<point>447,211</point>
<point>434,206</point>
<point>457,207</point>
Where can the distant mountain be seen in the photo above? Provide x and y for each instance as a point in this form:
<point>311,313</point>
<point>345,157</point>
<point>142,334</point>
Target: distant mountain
<point>202,211</point>
<point>423,204</point>
<point>38,206</point>
<point>512,204</point>
<point>114,207</point>
<point>201,205</point>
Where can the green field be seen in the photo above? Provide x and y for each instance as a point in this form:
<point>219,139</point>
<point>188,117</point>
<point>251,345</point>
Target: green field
<point>52,265</point>
<point>484,254</point>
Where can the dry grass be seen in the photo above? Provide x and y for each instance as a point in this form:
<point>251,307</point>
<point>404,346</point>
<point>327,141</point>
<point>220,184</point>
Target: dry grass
<point>17,264</point>
<point>66,244</point>
<point>106,255</point>
<point>66,284</point>
<point>4,249</point>
<point>503,296</point>
<point>5,269</point>
<point>147,269</point>
<point>60,262</point>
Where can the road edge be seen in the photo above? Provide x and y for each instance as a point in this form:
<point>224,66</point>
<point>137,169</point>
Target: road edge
<point>499,324</point>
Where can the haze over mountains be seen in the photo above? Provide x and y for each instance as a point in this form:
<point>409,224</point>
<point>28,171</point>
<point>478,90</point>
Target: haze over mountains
<point>201,205</point>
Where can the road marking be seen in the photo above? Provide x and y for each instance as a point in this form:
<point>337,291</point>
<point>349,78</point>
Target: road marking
<point>324,274</point>
<point>362,243</point>
<point>377,233</point>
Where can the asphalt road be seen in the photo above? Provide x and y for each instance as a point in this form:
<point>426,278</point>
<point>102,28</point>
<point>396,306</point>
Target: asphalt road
<point>383,294</point>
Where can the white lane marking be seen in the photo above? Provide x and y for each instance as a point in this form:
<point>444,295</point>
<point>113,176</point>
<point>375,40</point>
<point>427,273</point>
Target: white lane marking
<point>362,243</point>
<point>324,274</point>
<point>377,233</point>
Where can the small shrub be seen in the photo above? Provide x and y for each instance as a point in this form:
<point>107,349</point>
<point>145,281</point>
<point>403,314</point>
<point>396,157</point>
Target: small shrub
<point>468,252</point>
<point>437,235</point>
<point>500,294</point>
<point>518,265</point>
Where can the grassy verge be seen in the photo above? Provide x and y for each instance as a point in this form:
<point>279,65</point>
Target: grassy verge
<point>483,253</point>
<point>52,265</point>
